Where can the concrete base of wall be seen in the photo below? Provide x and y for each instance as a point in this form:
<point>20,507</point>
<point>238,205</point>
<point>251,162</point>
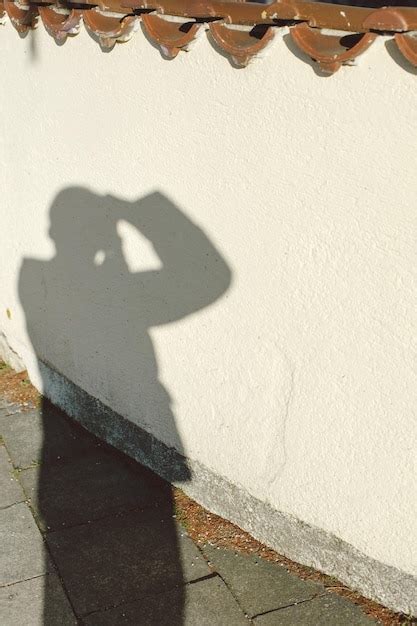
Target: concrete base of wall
<point>285,534</point>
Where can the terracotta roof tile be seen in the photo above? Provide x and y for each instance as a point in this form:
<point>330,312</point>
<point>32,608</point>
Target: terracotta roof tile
<point>241,30</point>
<point>23,17</point>
<point>170,36</point>
<point>109,28</point>
<point>60,25</point>
<point>407,45</point>
<point>241,44</point>
<point>331,51</point>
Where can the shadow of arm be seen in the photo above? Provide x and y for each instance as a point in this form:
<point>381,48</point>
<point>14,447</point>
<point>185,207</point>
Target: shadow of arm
<point>193,275</point>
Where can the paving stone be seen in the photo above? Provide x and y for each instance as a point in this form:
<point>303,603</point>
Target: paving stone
<point>124,558</point>
<point>89,488</point>
<point>10,489</point>
<point>205,603</point>
<point>23,435</point>
<point>257,584</point>
<point>327,610</point>
<point>40,601</point>
<point>4,404</point>
<point>23,552</point>
<point>44,435</point>
<point>8,408</point>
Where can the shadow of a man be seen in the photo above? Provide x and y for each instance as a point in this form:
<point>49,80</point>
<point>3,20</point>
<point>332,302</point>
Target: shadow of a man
<point>108,523</point>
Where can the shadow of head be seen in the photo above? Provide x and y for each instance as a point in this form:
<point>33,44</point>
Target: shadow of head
<point>83,221</point>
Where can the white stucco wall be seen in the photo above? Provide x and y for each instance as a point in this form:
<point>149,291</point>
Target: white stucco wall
<point>298,384</point>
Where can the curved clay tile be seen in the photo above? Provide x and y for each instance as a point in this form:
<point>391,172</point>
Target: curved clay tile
<point>60,25</point>
<point>22,17</point>
<point>241,45</point>
<point>170,36</point>
<point>386,19</point>
<point>331,51</point>
<point>110,29</point>
<point>408,47</point>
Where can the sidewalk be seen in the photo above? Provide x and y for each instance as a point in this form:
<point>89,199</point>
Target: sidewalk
<point>90,537</point>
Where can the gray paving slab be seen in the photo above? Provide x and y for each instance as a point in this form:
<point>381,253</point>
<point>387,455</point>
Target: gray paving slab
<point>10,489</point>
<point>40,601</point>
<point>259,585</point>
<point>23,552</point>
<point>124,558</point>
<point>8,408</point>
<point>43,435</point>
<point>327,610</point>
<point>23,435</point>
<point>205,603</point>
<point>90,487</point>
<point>3,403</point>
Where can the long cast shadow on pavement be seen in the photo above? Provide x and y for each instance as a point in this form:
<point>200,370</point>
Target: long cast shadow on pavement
<point>109,523</point>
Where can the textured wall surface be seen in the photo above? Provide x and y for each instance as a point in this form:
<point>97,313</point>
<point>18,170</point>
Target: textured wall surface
<point>228,259</point>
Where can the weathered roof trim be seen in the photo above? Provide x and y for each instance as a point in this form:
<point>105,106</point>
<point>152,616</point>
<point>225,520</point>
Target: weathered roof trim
<point>241,30</point>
